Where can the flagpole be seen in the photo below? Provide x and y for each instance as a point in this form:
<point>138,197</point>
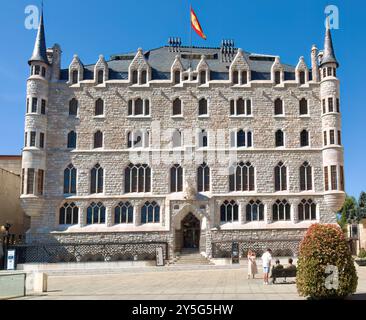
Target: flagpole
<point>190,31</point>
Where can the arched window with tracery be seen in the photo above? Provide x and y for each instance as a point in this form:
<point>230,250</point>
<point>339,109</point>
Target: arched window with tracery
<point>137,178</point>
<point>69,214</point>
<point>229,212</point>
<point>150,213</point>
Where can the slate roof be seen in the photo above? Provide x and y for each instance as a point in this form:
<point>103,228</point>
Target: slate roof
<point>40,49</point>
<point>161,61</point>
<point>328,54</point>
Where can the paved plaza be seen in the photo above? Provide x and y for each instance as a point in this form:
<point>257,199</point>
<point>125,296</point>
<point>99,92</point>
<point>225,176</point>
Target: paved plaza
<point>210,283</point>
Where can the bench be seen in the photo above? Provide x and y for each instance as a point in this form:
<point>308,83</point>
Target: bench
<point>283,273</point>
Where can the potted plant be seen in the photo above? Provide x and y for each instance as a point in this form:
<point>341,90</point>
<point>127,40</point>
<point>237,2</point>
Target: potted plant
<point>361,260</point>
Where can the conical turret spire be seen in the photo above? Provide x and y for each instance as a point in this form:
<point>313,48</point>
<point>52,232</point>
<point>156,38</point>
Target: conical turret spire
<point>40,50</point>
<point>328,54</point>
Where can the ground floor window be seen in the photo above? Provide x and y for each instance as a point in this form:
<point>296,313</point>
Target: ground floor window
<point>69,214</point>
<point>150,213</point>
<point>307,210</point>
<point>229,212</point>
<point>123,213</point>
<point>96,213</point>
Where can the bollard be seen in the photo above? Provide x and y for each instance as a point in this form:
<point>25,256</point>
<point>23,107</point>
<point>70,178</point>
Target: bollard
<point>40,282</point>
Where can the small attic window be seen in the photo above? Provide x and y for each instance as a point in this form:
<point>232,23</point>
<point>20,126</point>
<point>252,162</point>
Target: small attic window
<point>75,76</point>
<point>100,79</point>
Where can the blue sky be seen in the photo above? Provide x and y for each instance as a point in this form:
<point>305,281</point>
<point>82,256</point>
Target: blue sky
<point>287,28</point>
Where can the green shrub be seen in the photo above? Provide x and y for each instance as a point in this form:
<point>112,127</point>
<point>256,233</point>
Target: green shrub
<point>362,254</point>
<point>323,246</point>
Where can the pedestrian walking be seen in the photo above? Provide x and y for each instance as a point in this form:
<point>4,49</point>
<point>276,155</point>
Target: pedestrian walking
<point>252,264</point>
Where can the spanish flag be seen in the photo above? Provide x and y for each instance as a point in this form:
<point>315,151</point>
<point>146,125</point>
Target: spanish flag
<point>196,25</point>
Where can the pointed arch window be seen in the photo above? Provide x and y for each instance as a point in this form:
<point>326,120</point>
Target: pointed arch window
<point>177,139</point>
<point>123,213</point>
<point>69,214</point>
<point>98,140</point>
<point>176,178</point>
<point>244,77</point>
<point>280,177</point>
<point>71,140</point>
<point>135,77</point>
<point>278,107</point>
<point>307,210</point>
<point>304,138</point>
<point>203,139</point>
<point>203,77</point>
<point>177,107</point>
<point>203,107</point>
<point>255,211</point>
<point>137,178</point>
<point>73,107</point>
<point>150,213</point>
<point>139,107</point>
<point>304,107</point>
<point>281,211</point>
<point>97,179</point>
<point>203,178</point>
<point>100,77</point>
<point>240,140</point>
<point>75,76</point>
<point>143,77</point>
<point>177,77</point>
<point>96,214</point>
<point>241,107</point>
<point>70,174</point>
<point>99,107</point>
<point>306,177</point>
<point>138,139</point>
<point>242,177</point>
<point>277,77</point>
<point>235,77</point>
<point>229,212</point>
<point>280,139</point>
<point>302,77</point>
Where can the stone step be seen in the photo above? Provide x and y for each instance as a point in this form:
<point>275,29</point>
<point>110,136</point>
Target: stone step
<point>190,257</point>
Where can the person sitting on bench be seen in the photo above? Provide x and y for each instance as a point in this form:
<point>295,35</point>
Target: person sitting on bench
<point>278,265</point>
<point>290,265</point>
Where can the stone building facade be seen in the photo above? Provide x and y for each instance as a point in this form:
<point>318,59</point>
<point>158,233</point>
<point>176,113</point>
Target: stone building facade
<point>193,147</point>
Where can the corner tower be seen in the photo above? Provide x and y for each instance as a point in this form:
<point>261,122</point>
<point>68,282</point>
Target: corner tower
<point>34,152</point>
<point>333,157</point>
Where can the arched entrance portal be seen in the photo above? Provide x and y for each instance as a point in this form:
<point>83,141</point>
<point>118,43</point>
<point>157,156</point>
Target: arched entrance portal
<point>191,232</point>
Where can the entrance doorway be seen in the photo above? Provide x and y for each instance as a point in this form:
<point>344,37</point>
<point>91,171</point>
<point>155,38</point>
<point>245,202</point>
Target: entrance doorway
<point>191,228</point>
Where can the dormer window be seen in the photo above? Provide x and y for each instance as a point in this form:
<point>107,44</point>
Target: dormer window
<point>75,77</point>
<point>100,78</point>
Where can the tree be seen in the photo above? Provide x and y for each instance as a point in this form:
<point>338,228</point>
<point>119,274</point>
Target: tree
<point>325,268</point>
<point>362,200</point>
<point>348,211</point>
